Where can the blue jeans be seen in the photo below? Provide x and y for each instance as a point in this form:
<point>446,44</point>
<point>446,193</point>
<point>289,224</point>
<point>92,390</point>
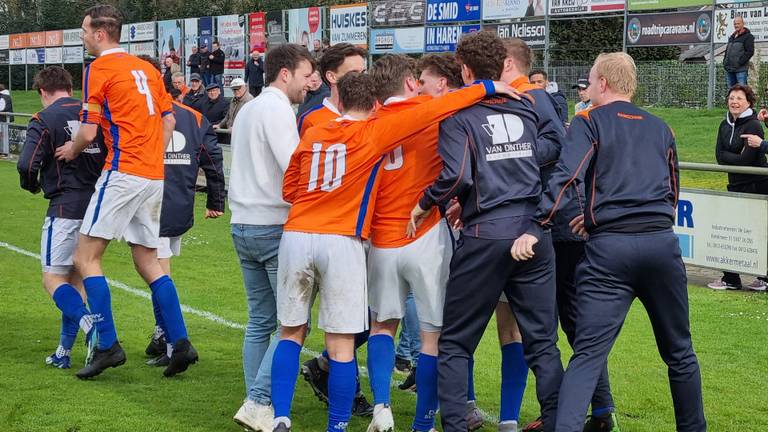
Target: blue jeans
<point>410,340</point>
<point>207,78</point>
<point>256,247</point>
<point>734,78</point>
<point>218,79</point>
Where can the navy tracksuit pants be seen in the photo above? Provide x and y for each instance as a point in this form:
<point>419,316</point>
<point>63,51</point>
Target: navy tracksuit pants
<point>617,268</point>
<point>481,270</point>
<point>568,254</point>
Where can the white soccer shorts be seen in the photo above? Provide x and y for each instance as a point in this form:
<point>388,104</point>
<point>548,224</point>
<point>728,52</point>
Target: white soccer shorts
<point>421,267</point>
<point>330,265</point>
<point>57,244</point>
<point>125,207</point>
<point>168,247</point>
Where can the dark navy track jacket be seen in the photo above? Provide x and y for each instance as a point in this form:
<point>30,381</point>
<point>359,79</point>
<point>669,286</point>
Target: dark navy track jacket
<point>489,164</point>
<point>67,185</point>
<point>627,160</point>
<point>194,146</point>
<point>551,135</point>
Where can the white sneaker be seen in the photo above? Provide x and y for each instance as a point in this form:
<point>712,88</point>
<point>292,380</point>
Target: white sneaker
<point>756,285</point>
<point>255,417</point>
<point>382,419</point>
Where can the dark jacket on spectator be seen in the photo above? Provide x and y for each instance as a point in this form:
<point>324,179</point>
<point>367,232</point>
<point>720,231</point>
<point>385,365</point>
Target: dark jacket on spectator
<point>740,48</point>
<point>561,104</point>
<point>254,72</point>
<point>214,111</point>
<point>194,63</point>
<point>313,99</point>
<point>732,149</point>
<point>195,100</point>
<point>217,63</point>
<point>204,62</point>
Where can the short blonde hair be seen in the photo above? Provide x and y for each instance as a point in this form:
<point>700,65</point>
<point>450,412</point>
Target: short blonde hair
<point>619,71</point>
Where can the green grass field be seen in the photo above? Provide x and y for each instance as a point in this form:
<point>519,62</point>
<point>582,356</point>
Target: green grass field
<point>729,335</point>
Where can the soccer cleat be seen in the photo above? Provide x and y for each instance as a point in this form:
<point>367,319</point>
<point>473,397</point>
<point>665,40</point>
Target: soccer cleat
<point>161,360</point>
<point>317,378</point>
<point>113,356</point>
<point>473,417</point>
<point>156,346</point>
<point>410,382</point>
<point>722,285</point>
<point>535,426</point>
<point>756,285</point>
<point>91,343</point>
<point>255,417</point>
<point>61,362</point>
<point>361,407</point>
<point>508,426</point>
<point>183,356</point>
<point>382,419</point>
<point>604,423</point>
<point>402,364</point>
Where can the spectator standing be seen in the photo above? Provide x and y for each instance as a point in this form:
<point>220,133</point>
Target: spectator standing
<point>254,73</point>
<point>581,86</point>
<point>317,49</point>
<point>215,107</point>
<point>194,61</point>
<point>205,65</point>
<point>732,149</point>
<point>539,77</point>
<point>240,98</point>
<point>169,68</point>
<point>216,65</point>
<point>740,48</point>
<point>196,95</point>
<point>318,90</point>
<point>6,104</point>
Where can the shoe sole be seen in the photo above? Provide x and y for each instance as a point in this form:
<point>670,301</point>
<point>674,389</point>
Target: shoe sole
<point>307,374</point>
<point>182,369</point>
<point>247,427</point>
<point>120,363</point>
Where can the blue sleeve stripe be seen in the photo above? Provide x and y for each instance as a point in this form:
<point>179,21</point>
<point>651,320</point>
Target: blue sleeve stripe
<point>366,197</point>
<point>85,92</point>
<point>165,113</point>
<point>306,113</point>
<point>115,132</point>
<point>490,89</point>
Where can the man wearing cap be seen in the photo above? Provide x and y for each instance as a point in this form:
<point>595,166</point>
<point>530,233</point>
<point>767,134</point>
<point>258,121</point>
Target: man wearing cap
<point>584,102</point>
<point>214,107</point>
<point>241,96</point>
<point>196,94</point>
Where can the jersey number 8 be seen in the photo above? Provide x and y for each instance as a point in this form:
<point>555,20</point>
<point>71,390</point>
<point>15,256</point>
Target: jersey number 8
<point>141,84</point>
<point>334,167</point>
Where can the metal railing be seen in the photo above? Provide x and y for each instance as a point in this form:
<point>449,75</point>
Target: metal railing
<point>696,166</point>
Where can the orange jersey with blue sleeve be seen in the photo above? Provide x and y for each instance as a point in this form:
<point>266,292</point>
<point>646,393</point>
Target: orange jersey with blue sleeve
<point>332,177</point>
<point>407,170</point>
<point>317,115</point>
<point>126,97</point>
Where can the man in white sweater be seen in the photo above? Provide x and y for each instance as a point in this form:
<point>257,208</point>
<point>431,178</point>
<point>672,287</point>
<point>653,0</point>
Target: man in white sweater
<point>264,136</point>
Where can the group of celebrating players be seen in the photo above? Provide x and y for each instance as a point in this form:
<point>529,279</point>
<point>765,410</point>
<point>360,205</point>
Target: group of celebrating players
<point>453,179</point>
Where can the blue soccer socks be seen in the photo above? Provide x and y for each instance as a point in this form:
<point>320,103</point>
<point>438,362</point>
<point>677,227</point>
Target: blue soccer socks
<point>69,329</point>
<point>514,376</point>
<point>170,309</point>
<point>426,396</point>
<point>342,381</point>
<point>285,370</point>
<point>100,302</point>
<point>70,304</point>
<point>381,362</point>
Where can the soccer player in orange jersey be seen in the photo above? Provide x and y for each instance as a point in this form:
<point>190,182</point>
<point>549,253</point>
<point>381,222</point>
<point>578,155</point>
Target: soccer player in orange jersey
<point>399,264</point>
<point>334,64</point>
<point>124,96</point>
<point>331,182</point>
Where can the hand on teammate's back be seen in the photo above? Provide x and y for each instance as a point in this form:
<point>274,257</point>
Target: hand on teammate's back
<point>66,152</point>
<point>522,248</point>
<point>418,215</point>
<point>577,226</point>
<point>453,215</point>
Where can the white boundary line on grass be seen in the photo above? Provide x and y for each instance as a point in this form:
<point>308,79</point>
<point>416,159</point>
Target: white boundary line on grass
<point>210,316</point>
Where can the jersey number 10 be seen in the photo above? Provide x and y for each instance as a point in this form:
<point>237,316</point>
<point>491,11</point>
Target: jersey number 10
<point>141,84</point>
<point>334,167</point>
